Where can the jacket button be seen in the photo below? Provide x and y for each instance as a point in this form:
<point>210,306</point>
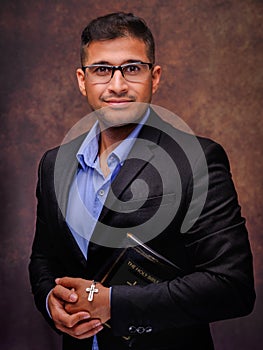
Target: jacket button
<point>132,329</point>
<point>140,330</point>
<point>148,329</point>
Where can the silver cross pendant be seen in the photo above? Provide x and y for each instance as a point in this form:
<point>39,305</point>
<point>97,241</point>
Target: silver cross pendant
<point>92,290</point>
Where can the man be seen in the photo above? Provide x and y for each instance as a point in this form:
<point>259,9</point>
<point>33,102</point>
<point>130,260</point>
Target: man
<point>188,212</point>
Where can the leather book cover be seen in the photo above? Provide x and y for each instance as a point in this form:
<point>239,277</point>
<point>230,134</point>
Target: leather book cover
<point>139,264</point>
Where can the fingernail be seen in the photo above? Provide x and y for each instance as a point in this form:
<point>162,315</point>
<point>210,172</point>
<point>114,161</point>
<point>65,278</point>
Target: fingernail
<point>97,325</point>
<point>100,329</point>
<point>57,280</point>
<point>73,297</point>
<point>86,317</point>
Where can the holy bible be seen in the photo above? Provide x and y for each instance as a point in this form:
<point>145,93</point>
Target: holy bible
<point>139,264</point>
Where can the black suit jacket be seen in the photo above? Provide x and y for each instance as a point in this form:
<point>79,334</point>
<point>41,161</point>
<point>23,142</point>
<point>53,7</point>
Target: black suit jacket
<point>209,245</point>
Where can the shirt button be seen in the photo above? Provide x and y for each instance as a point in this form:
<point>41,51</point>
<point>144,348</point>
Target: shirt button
<point>101,192</point>
<point>110,160</point>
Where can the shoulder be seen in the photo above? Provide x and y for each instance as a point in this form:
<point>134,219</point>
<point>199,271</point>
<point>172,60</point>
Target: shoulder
<point>195,148</point>
<point>67,150</point>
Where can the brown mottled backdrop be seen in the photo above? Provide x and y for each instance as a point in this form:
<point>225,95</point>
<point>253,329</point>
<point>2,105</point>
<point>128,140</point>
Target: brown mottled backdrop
<point>210,51</point>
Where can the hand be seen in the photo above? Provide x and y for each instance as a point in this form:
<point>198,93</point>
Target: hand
<point>78,325</point>
<point>98,308</point>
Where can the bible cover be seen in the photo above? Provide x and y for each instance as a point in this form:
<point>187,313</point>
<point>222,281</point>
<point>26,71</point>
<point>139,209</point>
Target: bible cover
<point>139,264</point>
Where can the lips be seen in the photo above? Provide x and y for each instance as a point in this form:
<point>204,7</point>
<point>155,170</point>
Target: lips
<point>115,101</point>
<point>118,103</point>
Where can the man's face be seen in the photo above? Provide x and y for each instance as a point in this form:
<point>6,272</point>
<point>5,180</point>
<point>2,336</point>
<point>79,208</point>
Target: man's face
<point>118,94</point>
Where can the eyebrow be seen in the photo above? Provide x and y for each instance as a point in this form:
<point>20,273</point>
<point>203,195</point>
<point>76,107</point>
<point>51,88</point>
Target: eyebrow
<point>110,64</point>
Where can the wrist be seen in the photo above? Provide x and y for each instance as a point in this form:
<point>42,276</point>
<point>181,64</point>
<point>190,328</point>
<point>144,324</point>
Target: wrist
<point>105,303</point>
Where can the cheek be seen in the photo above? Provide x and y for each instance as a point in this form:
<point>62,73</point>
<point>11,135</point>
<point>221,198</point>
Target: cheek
<point>138,91</point>
<point>146,93</point>
<point>93,94</point>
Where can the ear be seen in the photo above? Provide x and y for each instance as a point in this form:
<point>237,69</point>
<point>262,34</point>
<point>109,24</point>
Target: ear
<point>156,76</point>
<point>81,81</point>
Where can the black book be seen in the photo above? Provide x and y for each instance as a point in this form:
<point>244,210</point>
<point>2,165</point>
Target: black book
<point>139,264</point>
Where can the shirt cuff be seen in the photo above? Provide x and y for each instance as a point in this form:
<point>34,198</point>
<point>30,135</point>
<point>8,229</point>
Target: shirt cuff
<point>47,308</point>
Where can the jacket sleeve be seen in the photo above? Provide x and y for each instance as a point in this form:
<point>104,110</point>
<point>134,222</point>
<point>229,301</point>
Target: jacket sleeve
<point>220,284</point>
<point>41,267</point>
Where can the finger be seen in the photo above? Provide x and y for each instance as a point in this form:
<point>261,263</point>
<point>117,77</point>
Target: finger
<point>66,321</point>
<point>69,309</point>
<point>69,282</point>
<point>89,334</point>
<point>86,329</point>
<point>65,294</point>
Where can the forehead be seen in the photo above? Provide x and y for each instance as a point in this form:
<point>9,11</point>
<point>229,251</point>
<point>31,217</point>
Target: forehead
<point>116,51</point>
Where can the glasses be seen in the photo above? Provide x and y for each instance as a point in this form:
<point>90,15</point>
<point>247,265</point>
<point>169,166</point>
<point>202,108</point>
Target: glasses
<point>136,72</point>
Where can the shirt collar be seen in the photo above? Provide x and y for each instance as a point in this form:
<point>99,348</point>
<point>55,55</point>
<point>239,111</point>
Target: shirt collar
<point>88,150</point>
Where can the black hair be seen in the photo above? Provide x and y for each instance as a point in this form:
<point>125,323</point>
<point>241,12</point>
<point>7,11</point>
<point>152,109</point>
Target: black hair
<point>116,25</point>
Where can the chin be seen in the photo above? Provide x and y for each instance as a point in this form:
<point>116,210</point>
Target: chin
<point>117,117</point>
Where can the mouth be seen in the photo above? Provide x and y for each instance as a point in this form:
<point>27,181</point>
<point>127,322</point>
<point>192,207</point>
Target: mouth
<point>118,103</point>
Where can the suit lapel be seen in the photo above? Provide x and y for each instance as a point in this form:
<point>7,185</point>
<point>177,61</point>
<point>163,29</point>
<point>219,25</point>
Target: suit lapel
<point>150,136</point>
<point>65,170</point>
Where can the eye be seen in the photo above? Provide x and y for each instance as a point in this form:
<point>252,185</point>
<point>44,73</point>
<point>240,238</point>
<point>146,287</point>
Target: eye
<point>132,69</point>
<point>101,70</point>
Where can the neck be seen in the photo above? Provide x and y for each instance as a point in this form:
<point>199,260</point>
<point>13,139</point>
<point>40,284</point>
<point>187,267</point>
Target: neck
<point>110,138</point>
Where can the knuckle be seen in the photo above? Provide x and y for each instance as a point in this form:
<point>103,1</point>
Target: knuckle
<point>79,318</point>
<point>77,333</point>
<point>55,289</point>
<point>69,324</point>
<point>68,308</point>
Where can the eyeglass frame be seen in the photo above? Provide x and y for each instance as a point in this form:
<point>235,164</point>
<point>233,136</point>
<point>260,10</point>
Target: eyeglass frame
<point>115,68</point>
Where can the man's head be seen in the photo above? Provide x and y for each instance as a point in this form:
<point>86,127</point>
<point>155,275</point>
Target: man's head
<point>117,25</point>
<point>118,67</point>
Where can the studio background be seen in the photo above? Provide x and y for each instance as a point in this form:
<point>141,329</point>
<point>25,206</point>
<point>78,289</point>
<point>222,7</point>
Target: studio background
<point>211,53</point>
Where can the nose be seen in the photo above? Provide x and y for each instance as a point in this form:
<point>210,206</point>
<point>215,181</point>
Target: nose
<point>118,84</point>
